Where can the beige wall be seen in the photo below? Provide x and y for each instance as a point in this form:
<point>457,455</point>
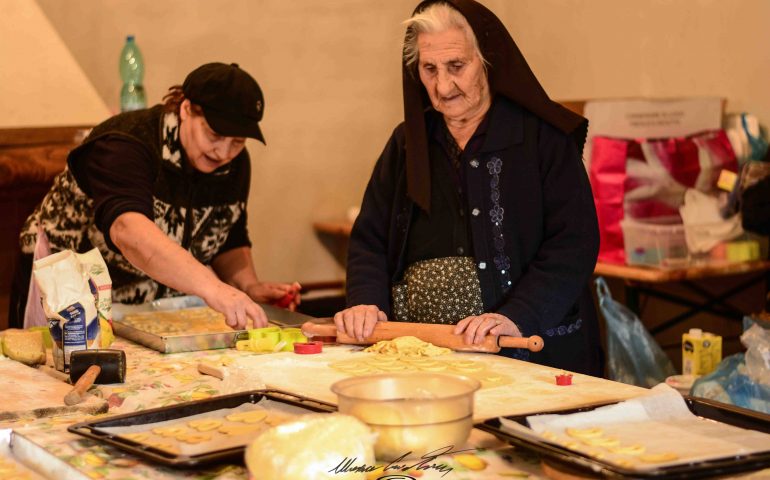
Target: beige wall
<point>330,72</point>
<point>41,84</point>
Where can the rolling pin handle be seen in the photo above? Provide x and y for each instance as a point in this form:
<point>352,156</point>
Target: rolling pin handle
<point>533,343</point>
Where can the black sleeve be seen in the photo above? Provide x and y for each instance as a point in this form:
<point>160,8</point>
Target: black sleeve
<point>567,257</point>
<point>118,174</point>
<point>368,279</point>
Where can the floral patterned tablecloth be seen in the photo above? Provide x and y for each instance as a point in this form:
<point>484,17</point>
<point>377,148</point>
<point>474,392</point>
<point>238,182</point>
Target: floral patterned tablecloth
<point>156,380</point>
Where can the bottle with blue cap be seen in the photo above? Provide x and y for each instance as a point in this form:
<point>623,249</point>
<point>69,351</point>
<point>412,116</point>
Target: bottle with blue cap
<point>132,96</point>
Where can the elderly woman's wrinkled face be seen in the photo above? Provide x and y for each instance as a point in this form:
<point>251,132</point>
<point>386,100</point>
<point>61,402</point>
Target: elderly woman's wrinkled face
<point>453,74</point>
<point>206,149</point>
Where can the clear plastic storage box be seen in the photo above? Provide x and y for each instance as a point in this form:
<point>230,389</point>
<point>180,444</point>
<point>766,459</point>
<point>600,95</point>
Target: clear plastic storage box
<point>658,244</point>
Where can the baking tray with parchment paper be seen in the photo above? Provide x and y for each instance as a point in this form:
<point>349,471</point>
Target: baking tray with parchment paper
<point>121,431</point>
<point>578,462</point>
<point>187,340</point>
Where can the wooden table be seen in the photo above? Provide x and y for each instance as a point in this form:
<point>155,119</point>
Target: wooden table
<point>662,275</point>
<point>340,228</point>
<point>651,282</point>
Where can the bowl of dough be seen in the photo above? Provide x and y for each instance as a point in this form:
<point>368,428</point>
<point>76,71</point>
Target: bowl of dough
<point>413,414</point>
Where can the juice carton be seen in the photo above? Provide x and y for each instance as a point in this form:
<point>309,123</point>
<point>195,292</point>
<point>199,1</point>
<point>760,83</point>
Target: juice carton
<point>701,352</point>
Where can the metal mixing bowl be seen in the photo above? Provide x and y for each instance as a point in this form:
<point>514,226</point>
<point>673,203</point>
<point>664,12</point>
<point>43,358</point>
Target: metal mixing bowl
<point>414,414</point>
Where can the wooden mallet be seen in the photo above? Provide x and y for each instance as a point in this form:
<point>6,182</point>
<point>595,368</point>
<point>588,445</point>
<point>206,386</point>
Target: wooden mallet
<point>94,366</point>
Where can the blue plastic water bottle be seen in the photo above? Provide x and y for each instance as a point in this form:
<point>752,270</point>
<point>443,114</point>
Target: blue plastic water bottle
<point>132,95</point>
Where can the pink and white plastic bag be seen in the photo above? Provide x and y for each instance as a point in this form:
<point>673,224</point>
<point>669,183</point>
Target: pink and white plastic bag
<point>647,179</point>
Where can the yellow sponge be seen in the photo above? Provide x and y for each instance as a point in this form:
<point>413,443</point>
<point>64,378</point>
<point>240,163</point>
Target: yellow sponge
<point>743,251</point>
<point>727,180</point>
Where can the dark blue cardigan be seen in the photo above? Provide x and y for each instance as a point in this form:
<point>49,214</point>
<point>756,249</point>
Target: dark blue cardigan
<point>533,224</point>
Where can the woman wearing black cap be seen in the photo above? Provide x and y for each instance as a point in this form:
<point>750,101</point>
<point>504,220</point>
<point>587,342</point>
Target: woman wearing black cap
<point>479,212</point>
<point>162,194</point>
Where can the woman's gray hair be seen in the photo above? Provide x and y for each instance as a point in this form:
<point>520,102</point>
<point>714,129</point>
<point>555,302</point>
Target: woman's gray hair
<point>438,17</point>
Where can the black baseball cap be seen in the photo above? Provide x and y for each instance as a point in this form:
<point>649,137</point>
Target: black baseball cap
<point>231,99</point>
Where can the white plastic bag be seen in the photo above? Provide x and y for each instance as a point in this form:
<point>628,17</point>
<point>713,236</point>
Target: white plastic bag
<point>757,341</point>
<point>704,226</point>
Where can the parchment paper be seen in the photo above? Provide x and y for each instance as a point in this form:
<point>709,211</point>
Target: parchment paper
<point>660,423</point>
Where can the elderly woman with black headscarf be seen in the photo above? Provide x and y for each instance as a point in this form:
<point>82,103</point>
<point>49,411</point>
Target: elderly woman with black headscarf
<point>479,212</point>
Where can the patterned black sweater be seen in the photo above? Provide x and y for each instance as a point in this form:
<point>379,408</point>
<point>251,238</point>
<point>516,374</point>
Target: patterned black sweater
<point>135,162</point>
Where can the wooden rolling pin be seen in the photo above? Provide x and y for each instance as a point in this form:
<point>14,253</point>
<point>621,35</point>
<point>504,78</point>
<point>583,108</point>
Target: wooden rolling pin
<point>441,335</point>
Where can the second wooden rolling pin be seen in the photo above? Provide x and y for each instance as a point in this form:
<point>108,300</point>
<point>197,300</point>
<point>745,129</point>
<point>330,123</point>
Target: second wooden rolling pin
<point>441,335</point>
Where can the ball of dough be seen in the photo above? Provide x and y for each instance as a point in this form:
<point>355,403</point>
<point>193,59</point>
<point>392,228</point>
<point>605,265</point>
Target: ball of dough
<point>311,447</point>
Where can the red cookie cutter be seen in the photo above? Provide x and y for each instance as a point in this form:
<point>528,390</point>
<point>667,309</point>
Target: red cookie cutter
<point>308,348</point>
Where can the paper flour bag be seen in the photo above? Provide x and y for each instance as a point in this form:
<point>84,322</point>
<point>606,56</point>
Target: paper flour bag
<point>93,264</point>
<point>69,303</point>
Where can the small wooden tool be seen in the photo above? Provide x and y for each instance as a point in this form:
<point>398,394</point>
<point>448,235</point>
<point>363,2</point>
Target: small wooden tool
<point>208,368</point>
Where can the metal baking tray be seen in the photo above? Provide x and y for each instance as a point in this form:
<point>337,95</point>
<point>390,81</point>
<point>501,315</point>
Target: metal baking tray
<point>193,342</point>
<point>13,458</point>
<point>179,343</point>
<point>572,460</point>
<point>93,429</point>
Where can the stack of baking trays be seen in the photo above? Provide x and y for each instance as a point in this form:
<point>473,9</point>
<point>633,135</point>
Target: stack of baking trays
<point>186,324</point>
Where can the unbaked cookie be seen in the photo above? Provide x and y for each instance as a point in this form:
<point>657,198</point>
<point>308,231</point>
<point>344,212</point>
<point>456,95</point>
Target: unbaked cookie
<point>205,424</point>
<point>601,441</point>
<point>193,437</point>
<point>250,416</point>
<point>238,429</point>
<point>590,432</point>
<point>170,431</point>
<point>138,437</point>
<point>628,449</point>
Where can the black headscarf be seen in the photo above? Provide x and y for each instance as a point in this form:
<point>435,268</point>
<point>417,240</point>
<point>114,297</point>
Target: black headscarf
<point>508,74</point>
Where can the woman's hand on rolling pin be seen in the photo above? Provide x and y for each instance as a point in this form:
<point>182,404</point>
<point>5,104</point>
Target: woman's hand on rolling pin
<point>359,321</point>
<point>477,327</point>
<point>239,309</point>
